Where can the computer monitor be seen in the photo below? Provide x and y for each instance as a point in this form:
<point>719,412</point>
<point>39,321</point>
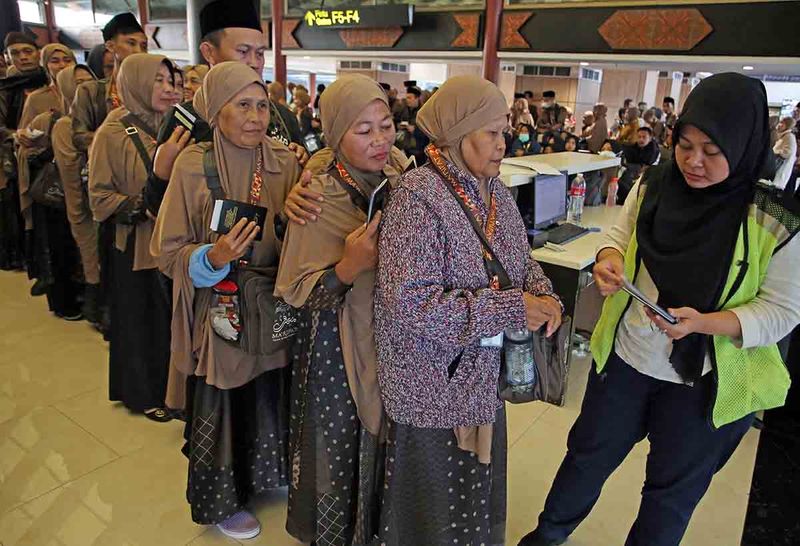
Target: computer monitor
<point>549,200</point>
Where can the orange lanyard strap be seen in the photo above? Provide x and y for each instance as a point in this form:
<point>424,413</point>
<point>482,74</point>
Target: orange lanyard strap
<point>258,180</point>
<point>435,155</point>
<point>347,178</point>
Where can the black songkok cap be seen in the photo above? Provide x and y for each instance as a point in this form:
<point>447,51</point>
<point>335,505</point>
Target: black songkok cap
<point>410,83</point>
<point>124,23</point>
<point>519,96</point>
<point>229,14</point>
<point>549,94</point>
<point>386,86</point>
<point>414,90</point>
<point>15,37</point>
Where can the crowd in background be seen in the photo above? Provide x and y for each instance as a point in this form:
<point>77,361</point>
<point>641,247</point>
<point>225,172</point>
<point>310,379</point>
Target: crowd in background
<point>114,171</point>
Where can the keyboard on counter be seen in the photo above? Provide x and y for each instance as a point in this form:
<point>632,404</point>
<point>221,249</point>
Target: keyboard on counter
<point>565,233</point>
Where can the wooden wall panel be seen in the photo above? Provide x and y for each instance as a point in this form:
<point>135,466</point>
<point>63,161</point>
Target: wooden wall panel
<point>619,85</point>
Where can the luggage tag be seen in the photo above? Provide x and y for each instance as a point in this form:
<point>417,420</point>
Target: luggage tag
<point>495,342</point>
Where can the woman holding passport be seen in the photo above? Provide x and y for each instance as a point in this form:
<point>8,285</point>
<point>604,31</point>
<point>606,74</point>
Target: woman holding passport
<point>327,271</point>
<point>237,395</point>
<point>699,238</point>
<point>118,160</point>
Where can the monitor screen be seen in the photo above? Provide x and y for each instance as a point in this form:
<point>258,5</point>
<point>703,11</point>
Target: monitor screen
<point>549,201</point>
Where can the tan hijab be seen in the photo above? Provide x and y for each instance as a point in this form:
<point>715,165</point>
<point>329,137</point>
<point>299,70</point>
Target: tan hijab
<point>47,98</point>
<point>463,104</point>
<point>135,81</point>
<point>313,249</point>
<point>183,226</point>
<point>67,85</point>
<point>116,171</point>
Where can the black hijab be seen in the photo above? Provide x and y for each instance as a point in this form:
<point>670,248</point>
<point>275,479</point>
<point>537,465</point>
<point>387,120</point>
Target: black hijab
<point>687,236</point>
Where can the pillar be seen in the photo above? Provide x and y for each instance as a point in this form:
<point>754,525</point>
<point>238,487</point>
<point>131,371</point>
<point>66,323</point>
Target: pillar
<point>650,88</point>
<point>677,84</point>
<point>312,87</point>
<point>10,20</point>
<point>278,58</point>
<point>491,37</point>
<point>193,32</point>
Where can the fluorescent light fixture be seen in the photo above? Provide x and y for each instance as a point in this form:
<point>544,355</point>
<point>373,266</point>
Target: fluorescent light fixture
<point>306,57</point>
<point>748,67</point>
<point>584,63</point>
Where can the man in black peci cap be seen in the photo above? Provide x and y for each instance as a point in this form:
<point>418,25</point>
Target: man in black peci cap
<point>23,52</point>
<point>231,31</point>
<point>123,37</point>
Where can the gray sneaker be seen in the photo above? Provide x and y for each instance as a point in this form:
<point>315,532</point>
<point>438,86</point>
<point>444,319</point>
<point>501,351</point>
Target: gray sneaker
<point>241,526</point>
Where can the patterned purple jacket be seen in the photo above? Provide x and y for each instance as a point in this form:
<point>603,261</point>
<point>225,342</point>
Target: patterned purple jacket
<point>433,304</point>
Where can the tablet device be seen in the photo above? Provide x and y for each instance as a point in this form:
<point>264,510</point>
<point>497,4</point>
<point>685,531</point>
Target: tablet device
<point>628,287</point>
<point>377,199</point>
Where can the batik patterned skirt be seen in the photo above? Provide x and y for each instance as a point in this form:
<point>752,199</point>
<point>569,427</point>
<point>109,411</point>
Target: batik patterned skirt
<point>337,474</point>
<point>439,495</point>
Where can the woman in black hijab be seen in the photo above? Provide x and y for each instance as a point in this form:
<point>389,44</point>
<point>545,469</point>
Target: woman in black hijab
<point>704,240</point>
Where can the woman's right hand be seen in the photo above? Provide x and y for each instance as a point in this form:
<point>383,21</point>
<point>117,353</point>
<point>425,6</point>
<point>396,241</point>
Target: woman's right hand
<point>167,153</point>
<point>233,244</point>
<point>609,271</point>
<point>360,252</point>
<point>541,310</point>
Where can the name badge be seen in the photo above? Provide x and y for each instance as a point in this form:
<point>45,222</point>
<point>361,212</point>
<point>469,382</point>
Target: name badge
<point>496,341</point>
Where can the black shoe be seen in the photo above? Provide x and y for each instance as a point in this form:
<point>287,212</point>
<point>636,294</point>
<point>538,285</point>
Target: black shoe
<point>159,415</point>
<point>534,539</point>
<point>40,287</point>
<point>91,310</point>
<point>71,316</point>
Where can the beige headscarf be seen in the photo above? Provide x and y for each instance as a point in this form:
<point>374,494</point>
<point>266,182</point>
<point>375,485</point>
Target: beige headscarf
<point>313,249</point>
<point>183,225</point>
<point>67,85</point>
<point>135,81</point>
<point>48,51</point>
<point>462,105</point>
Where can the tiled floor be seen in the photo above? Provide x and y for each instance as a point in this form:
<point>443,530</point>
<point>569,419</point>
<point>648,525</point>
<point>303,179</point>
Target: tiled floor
<point>76,470</point>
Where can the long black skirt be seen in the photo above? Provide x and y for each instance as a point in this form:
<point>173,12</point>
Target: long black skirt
<point>237,443</point>
<point>337,466</point>
<point>140,335</point>
<point>439,495</point>
<point>56,259</point>
<point>12,231</point>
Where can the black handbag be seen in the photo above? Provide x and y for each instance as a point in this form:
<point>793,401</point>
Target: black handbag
<point>551,355</point>
<point>46,187</point>
<point>266,324</point>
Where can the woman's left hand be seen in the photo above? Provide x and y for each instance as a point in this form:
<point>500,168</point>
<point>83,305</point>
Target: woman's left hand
<point>689,322</point>
<point>300,153</point>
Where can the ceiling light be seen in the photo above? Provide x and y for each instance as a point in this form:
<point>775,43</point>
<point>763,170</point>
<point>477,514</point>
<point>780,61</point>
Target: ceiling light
<point>584,63</point>
<point>747,67</point>
<point>306,57</point>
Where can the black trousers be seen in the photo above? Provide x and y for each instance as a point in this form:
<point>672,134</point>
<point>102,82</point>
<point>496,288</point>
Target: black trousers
<point>621,408</point>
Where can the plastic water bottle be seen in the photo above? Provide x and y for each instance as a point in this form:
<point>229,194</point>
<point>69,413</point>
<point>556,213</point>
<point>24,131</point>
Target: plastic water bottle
<point>613,187</point>
<point>520,366</point>
<point>577,194</point>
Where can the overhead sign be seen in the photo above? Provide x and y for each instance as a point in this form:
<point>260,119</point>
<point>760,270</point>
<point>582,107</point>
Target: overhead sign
<point>361,17</point>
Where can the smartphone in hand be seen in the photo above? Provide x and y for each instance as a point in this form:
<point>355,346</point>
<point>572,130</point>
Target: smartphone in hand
<point>377,199</point>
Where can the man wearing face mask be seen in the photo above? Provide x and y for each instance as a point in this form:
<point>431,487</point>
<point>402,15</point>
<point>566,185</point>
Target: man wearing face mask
<point>24,55</point>
<point>553,114</point>
<point>231,32</point>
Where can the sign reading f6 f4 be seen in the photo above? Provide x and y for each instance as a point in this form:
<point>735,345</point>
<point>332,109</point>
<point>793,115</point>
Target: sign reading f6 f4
<point>361,17</point>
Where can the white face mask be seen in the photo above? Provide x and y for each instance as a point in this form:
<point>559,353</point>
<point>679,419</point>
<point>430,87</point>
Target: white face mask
<point>547,104</point>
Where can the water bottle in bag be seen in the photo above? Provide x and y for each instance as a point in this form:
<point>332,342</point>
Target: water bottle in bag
<point>520,366</point>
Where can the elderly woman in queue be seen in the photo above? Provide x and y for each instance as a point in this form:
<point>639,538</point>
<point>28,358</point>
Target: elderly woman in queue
<point>194,76</point>
<point>118,160</point>
<point>237,399</point>
<point>438,312</point>
<point>71,164</point>
<point>718,251</point>
<point>327,270</point>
